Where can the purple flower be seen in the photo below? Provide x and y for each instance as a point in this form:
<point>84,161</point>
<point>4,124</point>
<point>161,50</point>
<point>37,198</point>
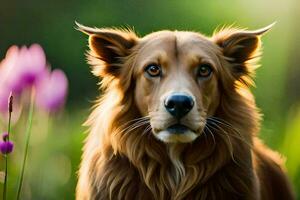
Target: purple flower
<point>6,147</point>
<point>33,64</point>
<point>4,94</point>
<point>8,68</point>
<point>5,136</point>
<point>51,91</point>
<point>24,68</point>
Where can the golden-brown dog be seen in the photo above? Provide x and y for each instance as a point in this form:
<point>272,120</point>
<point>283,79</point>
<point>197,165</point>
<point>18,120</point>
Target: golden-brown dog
<point>176,119</point>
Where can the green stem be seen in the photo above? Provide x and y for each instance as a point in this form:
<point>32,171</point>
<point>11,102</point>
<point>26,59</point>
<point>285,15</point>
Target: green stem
<point>5,178</point>
<point>6,155</point>
<point>28,134</point>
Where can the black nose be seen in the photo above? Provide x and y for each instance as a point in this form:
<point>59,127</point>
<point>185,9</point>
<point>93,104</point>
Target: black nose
<point>179,105</point>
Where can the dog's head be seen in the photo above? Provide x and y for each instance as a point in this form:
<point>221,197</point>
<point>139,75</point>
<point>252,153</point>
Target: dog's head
<point>177,77</point>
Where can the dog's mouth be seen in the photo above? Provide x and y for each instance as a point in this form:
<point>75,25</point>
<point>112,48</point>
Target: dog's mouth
<point>177,129</point>
<point>177,133</point>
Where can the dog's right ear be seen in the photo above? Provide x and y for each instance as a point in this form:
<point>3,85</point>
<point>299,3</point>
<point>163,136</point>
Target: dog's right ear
<point>107,48</point>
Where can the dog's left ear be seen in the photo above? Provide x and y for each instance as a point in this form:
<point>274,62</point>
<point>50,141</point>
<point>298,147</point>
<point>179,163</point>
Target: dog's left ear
<point>107,48</point>
<point>240,47</point>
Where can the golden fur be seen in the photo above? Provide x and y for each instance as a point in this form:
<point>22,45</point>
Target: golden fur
<point>124,158</point>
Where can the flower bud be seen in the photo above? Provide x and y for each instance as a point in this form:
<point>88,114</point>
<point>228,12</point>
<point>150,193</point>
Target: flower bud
<point>5,136</point>
<point>10,103</point>
<point>6,147</point>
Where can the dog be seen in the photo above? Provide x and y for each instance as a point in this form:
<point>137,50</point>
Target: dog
<point>176,119</point>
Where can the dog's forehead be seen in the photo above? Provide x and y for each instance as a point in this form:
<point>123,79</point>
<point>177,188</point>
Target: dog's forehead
<point>171,44</point>
<point>179,38</point>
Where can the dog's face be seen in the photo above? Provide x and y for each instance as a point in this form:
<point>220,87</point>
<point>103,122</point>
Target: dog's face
<point>177,83</point>
<point>177,76</point>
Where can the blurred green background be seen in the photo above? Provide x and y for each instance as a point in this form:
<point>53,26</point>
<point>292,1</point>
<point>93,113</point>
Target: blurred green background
<point>56,142</point>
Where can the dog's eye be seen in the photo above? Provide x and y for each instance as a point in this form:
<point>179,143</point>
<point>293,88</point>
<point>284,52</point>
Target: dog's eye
<point>153,70</point>
<point>204,70</point>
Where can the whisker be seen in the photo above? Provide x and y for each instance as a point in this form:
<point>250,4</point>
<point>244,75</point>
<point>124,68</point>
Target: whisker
<point>221,121</point>
<point>205,134</point>
<point>238,136</point>
<point>134,126</point>
<point>146,130</point>
<point>226,134</point>
<point>145,118</point>
<point>139,122</point>
<point>230,146</point>
<point>232,155</point>
<point>213,137</point>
